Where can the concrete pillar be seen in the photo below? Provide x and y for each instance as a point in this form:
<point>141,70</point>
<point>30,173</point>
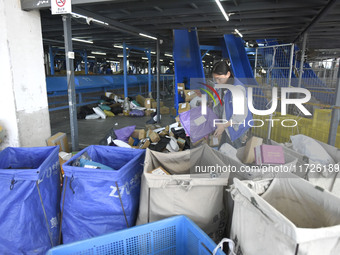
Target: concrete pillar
<point>23,100</point>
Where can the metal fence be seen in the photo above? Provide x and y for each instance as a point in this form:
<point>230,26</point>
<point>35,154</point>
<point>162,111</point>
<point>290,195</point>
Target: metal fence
<point>326,70</point>
<point>274,65</point>
<point>279,66</point>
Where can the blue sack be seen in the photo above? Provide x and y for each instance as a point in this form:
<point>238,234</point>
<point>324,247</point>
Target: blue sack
<point>93,205</point>
<point>30,197</point>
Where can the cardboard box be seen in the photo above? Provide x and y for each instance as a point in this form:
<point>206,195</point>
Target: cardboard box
<point>189,95</point>
<point>249,153</point>
<point>140,99</point>
<point>181,142</point>
<point>154,137</point>
<point>164,132</point>
<point>139,133</point>
<point>131,141</point>
<point>148,103</point>
<point>269,154</point>
<point>59,139</point>
<point>148,112</point>
<point>159,171</point>
<point>63,158</point>
<point>173,111</point>
<point>183,107</point>
<point>177,119</point>
<point>199,142</point>
<point>180,86</point>
<point>152,126</point>
<point>165,110</point>
<point>144,143</point>
<point>214,141</point>
<point>154,104</point>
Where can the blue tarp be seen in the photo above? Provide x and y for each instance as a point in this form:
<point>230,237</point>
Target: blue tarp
<point>92,205</point>
<point>23,226</point>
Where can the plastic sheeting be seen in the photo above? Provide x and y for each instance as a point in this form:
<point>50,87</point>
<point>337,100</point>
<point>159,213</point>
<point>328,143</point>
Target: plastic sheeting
<point>286,215</point>
<point>93,204</point>
<point>197,125</point>
<point>23,223</point>
<point>199,196</point>
<point>124,133</point>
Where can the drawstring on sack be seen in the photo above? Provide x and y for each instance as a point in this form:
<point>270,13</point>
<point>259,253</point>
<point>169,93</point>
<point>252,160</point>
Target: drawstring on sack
<point>72,178</point>
<point>231,245</point>
<point>12,184</point>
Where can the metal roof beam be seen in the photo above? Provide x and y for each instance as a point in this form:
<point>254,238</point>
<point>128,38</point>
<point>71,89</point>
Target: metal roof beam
<point>114,24</point>
<point>218,17</point>
<point>209,9</point>
<point>317,18</point>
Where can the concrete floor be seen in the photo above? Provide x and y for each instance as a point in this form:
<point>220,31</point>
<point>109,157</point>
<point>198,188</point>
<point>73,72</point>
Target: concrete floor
<point>92,131</point>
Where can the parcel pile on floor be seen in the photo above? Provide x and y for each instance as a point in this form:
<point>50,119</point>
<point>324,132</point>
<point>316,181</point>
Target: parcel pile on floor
<point>109,188</point>
<point>112,105</point>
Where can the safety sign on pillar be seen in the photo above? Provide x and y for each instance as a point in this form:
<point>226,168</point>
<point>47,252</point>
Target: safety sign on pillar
<point>61,6</point>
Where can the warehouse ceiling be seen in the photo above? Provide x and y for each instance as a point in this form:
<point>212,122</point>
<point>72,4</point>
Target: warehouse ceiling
<point>284,20</point>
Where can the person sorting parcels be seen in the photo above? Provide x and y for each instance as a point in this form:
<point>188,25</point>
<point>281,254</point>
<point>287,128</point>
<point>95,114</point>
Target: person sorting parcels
<point>236,130</point>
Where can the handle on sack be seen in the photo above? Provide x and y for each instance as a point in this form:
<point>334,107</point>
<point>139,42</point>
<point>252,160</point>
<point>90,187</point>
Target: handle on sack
<point>231,246</point>
<point>186,184</point>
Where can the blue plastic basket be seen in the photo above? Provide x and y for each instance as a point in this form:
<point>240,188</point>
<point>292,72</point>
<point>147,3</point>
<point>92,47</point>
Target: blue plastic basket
<point>175,235</point>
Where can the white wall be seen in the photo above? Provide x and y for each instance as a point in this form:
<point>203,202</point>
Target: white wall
<point>23,99</point>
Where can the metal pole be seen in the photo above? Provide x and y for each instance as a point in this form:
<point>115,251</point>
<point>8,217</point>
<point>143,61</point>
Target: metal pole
<point>47,64</point>
<point>85,60</point>
<point>302,61</point>
<point>335,115</point>
<point>158,77</point>
<point>149,73</point>
<point>291,65</point>
<point>255,66</point>
<point>51,60</point>
<point>125,70</point>
<point>331,77</point>
<point>69,56</point>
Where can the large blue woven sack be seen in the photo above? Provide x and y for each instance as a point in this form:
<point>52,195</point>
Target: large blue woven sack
<point>30,195</point>
<point>91,203</point>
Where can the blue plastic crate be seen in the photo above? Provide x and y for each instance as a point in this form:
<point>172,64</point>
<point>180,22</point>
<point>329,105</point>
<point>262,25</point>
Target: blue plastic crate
<point>175,235</point>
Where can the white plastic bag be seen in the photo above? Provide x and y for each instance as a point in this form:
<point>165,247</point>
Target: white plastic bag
<point>312,149</point>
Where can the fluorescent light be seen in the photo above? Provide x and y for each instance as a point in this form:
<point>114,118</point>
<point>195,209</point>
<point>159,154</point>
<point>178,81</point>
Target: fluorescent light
<point>171,61</point>
<point>98,53</point>
<point>145,58</point>
<point>121,56</point>
<point>148,36</point>
<point>207,54</point>
<point>238,32</point>
<point>168,55</point>
<point>91,57</point>
<point>118,46</point>
<point>152,52</point>
<point>100,22</point>
<point>88,19</point>
<point>222,10</point>
<point>81,40</point>
<point>203,61</point>
<point>77,15</point>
